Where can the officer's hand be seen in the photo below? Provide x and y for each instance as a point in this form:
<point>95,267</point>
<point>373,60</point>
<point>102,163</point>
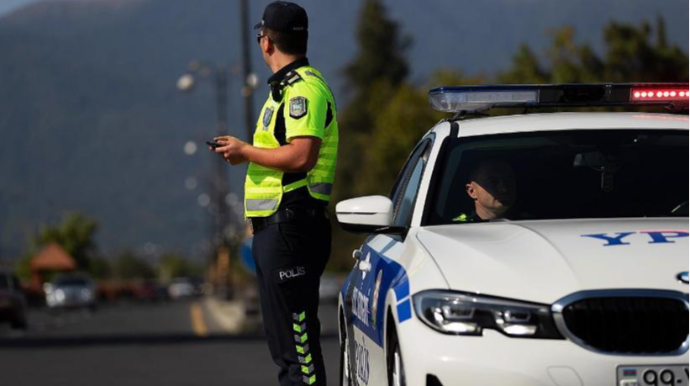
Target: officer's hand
<point>231,149</point>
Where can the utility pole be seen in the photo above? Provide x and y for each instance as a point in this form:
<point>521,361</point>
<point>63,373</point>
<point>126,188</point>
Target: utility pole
<point>249,76</point>
<point>221,181</point>
<point>220,216</point>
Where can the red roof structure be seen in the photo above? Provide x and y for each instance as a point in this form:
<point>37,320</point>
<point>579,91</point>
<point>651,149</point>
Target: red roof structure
<point>53,258</point>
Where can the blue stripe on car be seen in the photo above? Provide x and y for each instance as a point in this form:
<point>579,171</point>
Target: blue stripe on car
<point>402,290</point>
<point>393,277</point>
<point>404,311</point>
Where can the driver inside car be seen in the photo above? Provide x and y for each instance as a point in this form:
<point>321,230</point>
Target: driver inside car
<point>492,187</point>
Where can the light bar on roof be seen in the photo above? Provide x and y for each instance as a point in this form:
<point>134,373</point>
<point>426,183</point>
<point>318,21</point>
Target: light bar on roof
<point>480,100</point>
<point>471,99</point>
<point>660,94</point>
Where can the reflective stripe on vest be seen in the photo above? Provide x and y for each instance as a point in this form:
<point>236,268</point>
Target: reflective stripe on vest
<point>321,188</point>
<point>261,204</point>
<point>265,204</point>
<point>294,186</point>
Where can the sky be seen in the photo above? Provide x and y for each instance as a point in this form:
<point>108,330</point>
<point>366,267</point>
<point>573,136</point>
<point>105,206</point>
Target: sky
<point>7,6</point>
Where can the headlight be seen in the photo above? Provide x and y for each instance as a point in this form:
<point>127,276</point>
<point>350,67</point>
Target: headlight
<point>468,314</point>
<point>60,295</point>
<point>86,294</point>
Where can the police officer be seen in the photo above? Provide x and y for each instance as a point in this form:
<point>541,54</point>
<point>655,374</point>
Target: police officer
<point>288,185</point>
<point>492,188</point>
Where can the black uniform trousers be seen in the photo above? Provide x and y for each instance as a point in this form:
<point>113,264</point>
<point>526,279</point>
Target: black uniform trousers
<point>290,258</point>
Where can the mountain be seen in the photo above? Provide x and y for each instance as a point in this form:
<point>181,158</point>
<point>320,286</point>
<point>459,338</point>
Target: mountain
<point>90,119</point>
<point>7,6</point>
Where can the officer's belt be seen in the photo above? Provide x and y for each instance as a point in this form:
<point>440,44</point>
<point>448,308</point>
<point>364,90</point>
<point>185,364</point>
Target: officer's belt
<point>291,214</point>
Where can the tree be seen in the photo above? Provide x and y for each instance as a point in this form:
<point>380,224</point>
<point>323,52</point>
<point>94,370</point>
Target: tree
<point>403,121</point>
<point>22,268</point>
<point>568,62</point>
<point>635,55</point>
<point>75,234</point>
<point>100,268</point>
<point>378,68</point>
<point>525,69</point>
<point>381,55</point>
<point>632,54</point>
<point>172,266</point>
<point>129,266</point>
<point>397,128</point>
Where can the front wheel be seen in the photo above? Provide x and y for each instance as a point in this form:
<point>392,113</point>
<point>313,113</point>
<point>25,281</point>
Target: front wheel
<point>396,370</point>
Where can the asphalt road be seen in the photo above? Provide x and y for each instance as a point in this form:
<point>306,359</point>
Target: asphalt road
<point>175,343</point>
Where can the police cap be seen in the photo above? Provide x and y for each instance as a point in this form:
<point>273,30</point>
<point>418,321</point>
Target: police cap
<point>283,16</point>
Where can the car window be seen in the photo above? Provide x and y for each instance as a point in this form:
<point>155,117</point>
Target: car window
<point>404,212</point>
<point>406,171</point>
<point>408,185</point>
<point>567,175</point>
<point>72,281</point>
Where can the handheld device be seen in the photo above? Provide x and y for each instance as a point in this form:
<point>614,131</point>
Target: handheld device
<point>214,145</point>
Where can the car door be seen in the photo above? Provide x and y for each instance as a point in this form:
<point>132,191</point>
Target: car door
<point>378,271</point>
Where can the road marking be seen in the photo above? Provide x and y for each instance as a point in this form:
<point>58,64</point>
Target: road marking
<point>198,324</point>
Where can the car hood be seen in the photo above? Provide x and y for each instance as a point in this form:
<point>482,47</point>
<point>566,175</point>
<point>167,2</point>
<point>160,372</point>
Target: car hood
<point>72,288</point>
<point>543,261</point>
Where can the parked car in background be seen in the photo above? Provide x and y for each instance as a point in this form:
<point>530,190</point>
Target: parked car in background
<point>12,301</point>
<point>73,290</point>
<point>184,287</point>
<point>149,291</point>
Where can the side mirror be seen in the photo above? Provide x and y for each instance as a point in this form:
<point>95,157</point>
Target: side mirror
<point>371,214</point>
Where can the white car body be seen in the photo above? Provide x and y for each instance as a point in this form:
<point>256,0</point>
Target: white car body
<point>71,291</point>
<point>536,261</point>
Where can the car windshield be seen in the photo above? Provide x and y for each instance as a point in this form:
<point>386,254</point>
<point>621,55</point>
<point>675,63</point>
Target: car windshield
<point>72,281</point>
<point>565,175</point>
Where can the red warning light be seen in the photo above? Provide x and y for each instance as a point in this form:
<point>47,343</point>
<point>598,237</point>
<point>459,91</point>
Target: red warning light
<point>660,95</point>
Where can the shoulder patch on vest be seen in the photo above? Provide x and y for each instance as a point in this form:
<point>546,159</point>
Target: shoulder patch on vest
<point>268,114</point>
<point>298,107</point>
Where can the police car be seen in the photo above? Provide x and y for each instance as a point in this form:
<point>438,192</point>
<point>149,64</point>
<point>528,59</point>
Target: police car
<point>582,281</point>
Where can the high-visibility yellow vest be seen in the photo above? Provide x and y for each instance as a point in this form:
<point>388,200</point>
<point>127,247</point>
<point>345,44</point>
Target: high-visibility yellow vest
<point>306,100</point>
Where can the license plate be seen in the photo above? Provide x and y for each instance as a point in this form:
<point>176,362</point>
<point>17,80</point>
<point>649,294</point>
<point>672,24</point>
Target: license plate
<point>676,375</point>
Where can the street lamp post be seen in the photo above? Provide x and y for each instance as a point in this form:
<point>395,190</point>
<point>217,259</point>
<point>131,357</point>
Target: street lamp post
<point>250,79</point>
<point>186,83</point>
<point>219,190</point>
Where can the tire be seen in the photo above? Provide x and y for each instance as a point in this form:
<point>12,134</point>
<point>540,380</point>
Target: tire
<point>396,370</point>
<point>345,368</point>
<point>19,323</point>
